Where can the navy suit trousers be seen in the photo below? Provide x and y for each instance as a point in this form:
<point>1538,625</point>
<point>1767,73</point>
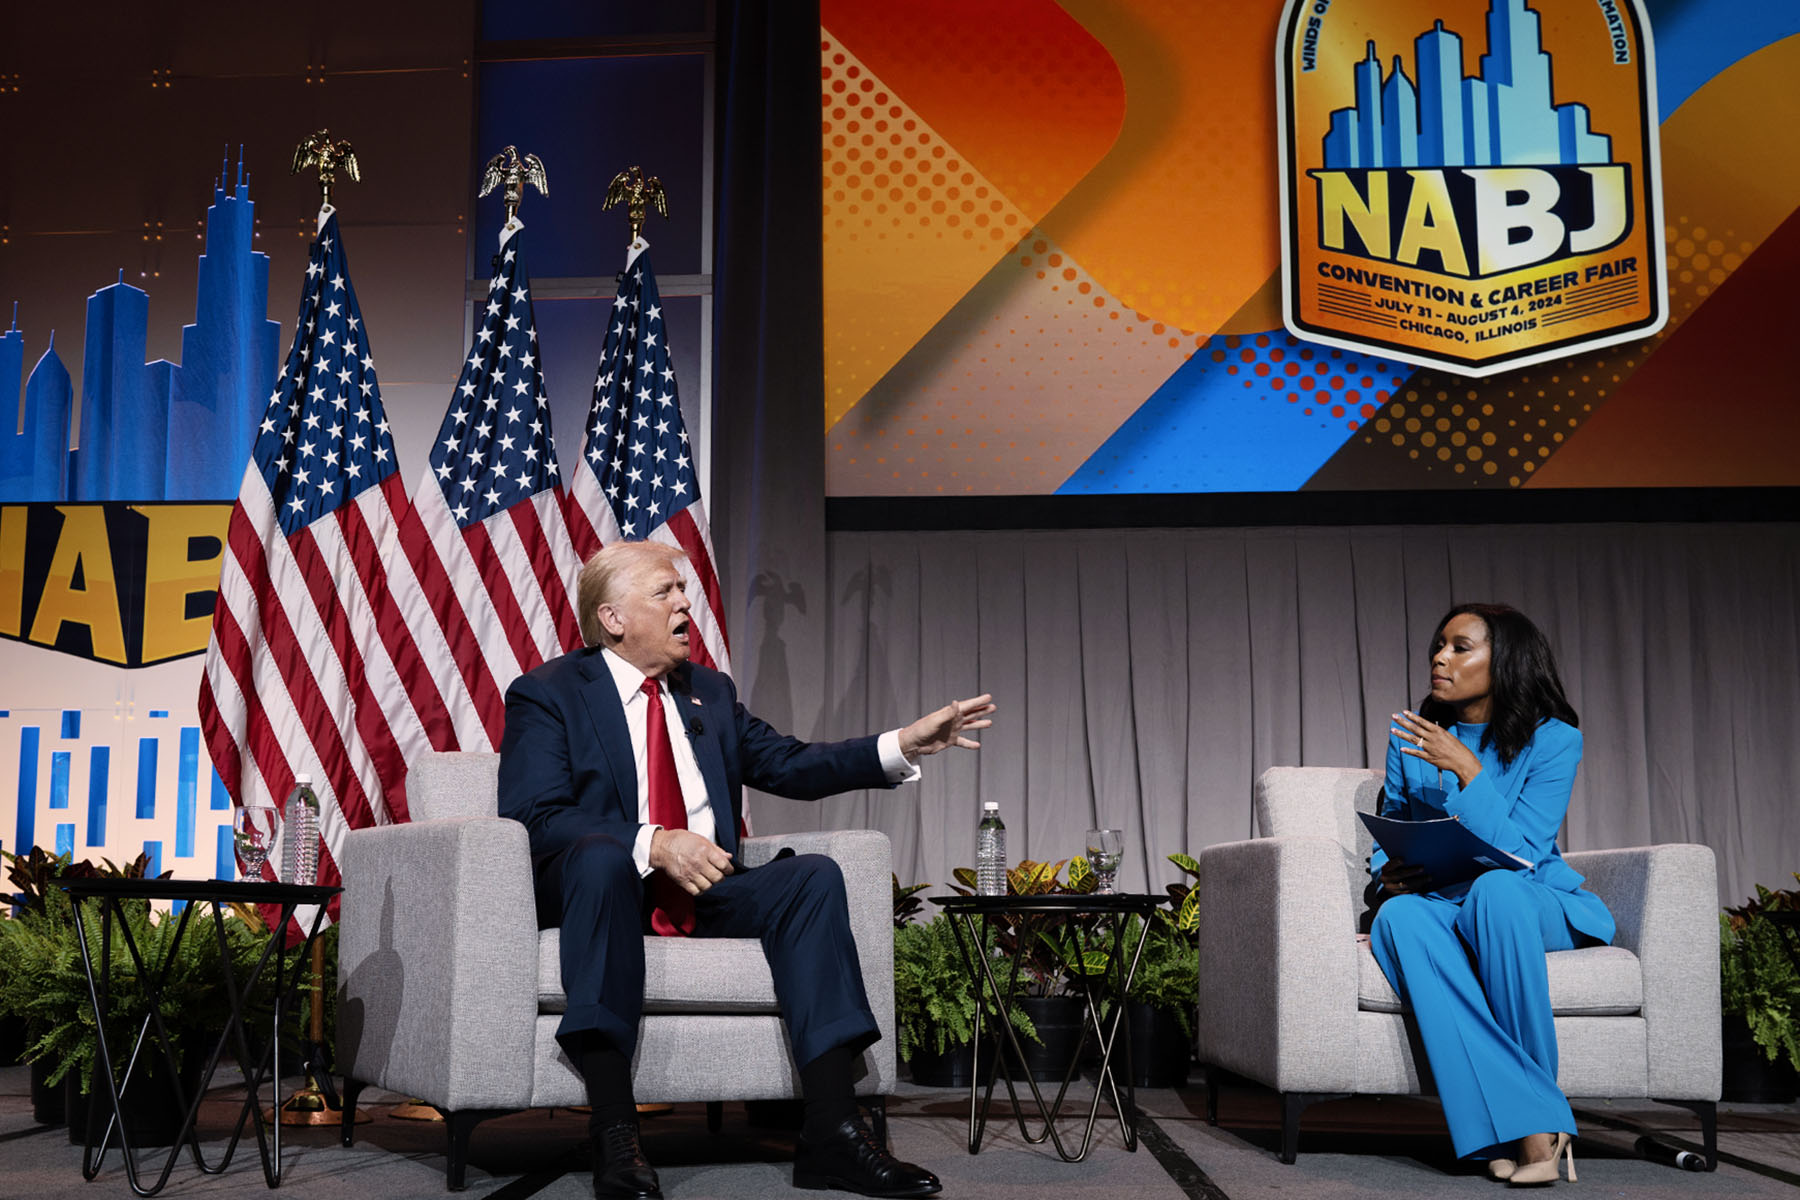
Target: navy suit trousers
<point>794,905</point>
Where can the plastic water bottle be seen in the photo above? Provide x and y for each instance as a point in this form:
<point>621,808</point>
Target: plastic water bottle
<point>990,851</point>
<point>300,834</point>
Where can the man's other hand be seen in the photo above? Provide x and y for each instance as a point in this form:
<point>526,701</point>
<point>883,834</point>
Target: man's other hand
<point>694,862</point>
<point>944,728</point>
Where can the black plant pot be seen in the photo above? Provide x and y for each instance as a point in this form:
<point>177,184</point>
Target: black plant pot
<point>954,1068</point>
<point>151,1111</point>
<point>12,1041</point>
<point>47,1106</point>
<point>1159,1048</point>
<point>1058,1022</point>
<point>1749,1077</point>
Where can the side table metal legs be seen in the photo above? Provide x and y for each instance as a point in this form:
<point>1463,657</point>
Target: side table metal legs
<point>991,1003</point>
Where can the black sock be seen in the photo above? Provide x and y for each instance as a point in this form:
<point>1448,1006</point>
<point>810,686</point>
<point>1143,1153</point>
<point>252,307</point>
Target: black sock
<point>827,1093</point>
<point>607,1073</point>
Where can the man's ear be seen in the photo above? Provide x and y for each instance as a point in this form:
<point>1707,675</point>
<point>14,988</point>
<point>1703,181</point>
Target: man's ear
<point>611,620</point>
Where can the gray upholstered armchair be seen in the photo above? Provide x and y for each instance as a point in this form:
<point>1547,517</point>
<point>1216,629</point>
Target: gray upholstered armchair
<point>1290,999</point>
<point>448,991</point>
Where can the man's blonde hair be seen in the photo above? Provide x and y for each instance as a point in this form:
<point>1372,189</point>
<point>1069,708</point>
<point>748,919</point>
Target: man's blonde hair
<point>602,578</point>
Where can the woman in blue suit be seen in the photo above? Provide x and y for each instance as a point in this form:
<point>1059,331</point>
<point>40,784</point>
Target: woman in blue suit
<point>1494,745</point>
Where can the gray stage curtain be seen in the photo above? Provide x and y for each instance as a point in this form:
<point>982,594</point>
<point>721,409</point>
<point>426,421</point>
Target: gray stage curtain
<point>1147,676</point>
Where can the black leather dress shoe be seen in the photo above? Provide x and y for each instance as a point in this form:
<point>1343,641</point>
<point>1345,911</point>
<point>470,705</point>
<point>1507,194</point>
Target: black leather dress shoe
<point>621,1172</point>
<point>851,1160</point>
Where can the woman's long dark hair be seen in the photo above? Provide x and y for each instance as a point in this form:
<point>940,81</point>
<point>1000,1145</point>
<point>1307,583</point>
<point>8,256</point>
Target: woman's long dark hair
<point>1524,688</point>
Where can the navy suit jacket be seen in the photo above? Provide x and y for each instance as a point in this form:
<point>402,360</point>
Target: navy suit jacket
<point>567,770</point>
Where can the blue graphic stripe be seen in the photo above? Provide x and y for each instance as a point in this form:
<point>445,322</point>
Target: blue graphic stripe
<point>221,799</point>
<point>71,722</point>
<point>1696,42</point>
<point>59,779</point>
<point>99,768</point>
<point>224,861</point>
<point>146,779</point>
<point>25,828</point>
<point>159,712</point>
<point>187,788</point>
<point>65,839</point>
<point>154,850</point>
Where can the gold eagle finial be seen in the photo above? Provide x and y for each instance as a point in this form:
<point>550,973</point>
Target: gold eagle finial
<point>638,192</point>
<point>515,171</point>
<point>318,150</point>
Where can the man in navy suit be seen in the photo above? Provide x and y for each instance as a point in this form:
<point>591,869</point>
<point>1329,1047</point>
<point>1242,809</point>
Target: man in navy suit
<point>634,831</point>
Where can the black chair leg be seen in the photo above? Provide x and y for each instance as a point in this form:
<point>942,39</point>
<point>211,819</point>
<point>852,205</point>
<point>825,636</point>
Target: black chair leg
<point>347,1130</point>
<point>458,1126</point>
<point>715,1115</point>
<point>1292,1105</point>
<point>1708,1112</point>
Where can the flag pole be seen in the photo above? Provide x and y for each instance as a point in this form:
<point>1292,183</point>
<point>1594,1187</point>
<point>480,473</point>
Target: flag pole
<point>316,1102</point>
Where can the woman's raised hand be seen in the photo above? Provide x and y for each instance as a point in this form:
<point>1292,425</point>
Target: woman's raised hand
<point>1436,745</point>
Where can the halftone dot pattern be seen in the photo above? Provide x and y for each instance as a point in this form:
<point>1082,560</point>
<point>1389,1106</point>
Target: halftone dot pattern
<point>1046,367</point>
<point>1498,432</point>
<point>887,175</point>
<point>908,227</point>
<point>1250,413</point>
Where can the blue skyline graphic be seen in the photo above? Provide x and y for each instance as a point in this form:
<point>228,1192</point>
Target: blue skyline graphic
<point>1505,115</point>
<point>151,430</point>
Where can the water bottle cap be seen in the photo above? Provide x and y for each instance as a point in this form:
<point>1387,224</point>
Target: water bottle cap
<point>303,779</point>
<point>990,806</point>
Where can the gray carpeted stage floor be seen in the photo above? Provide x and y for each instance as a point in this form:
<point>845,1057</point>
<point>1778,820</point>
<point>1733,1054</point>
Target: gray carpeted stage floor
<point>1384,1149</point>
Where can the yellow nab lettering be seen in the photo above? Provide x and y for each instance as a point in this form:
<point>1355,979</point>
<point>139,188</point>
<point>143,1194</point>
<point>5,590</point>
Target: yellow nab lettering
<point>82,543</point>
<point>12,567</point>
<point>1431,224</point>
<point>1339,199</point>
<point>171,576</point>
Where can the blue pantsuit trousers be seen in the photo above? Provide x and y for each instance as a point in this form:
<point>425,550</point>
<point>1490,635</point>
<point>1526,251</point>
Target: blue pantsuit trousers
<point>1471,970</point>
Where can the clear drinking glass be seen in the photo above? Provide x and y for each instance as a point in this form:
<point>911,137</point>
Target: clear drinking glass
<point>1105,847</point>
<point>253,829</point>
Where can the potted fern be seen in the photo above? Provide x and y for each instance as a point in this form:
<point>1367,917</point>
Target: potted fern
<point>934,1000</point>
<point>45,984</point>
<point>1759,993</point>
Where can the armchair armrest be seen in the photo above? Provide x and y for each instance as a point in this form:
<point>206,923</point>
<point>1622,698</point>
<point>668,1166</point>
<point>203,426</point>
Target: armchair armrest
<point>1665,900</point>
<point>866,858</point>
<point>439,934</point>
<point>1278,963</point>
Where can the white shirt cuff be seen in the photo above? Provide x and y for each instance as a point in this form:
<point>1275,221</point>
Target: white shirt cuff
<point>899,768</point>
<point>640,848</point>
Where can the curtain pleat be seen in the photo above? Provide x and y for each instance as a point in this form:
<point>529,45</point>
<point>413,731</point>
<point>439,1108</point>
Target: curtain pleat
<point>1146,677</point>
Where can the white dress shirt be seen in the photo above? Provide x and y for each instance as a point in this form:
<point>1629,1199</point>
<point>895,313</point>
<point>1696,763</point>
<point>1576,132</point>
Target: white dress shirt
<point>630,682</point>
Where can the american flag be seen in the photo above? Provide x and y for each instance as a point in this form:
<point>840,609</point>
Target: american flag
<point>488,564</point>
<point>310,668</point>
<point>636,479</point>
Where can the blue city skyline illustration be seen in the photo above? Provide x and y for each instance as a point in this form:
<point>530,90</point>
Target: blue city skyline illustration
<point>1504,115</point>
<point>150,430</point>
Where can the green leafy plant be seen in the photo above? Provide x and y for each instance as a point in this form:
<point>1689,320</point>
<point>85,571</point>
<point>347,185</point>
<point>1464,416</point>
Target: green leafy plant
<point>1757,978</point>
<point>1168,973</point>
<point>1046,967</point>
<point>906,902</point>
<point>934,1000</point>
<point>45,982</point>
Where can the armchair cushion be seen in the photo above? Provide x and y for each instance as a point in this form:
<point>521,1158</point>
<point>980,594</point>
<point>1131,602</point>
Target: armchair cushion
<point>1595,981</point>
<point>681,975</point>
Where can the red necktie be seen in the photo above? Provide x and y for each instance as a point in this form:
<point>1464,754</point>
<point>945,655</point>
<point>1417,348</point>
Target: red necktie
<point>671,907</point>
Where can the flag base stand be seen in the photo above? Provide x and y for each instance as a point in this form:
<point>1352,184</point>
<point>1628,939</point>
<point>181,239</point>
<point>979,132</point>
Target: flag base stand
<point>415,1109</point>
<point>312,1105</point>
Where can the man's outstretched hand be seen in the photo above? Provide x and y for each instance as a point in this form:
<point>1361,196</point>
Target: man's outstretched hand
<point>944,728</point>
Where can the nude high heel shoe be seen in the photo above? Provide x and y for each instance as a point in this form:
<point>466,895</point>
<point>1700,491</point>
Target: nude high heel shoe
<point>1548,1170</point>
<point>1501,1168</point>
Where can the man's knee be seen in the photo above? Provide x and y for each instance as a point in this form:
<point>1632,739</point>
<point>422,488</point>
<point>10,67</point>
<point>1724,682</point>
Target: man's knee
<point>598,859</point>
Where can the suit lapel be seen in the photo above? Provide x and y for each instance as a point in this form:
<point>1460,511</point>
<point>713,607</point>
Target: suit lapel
<point>708,754</point>
<point>601,696</point>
